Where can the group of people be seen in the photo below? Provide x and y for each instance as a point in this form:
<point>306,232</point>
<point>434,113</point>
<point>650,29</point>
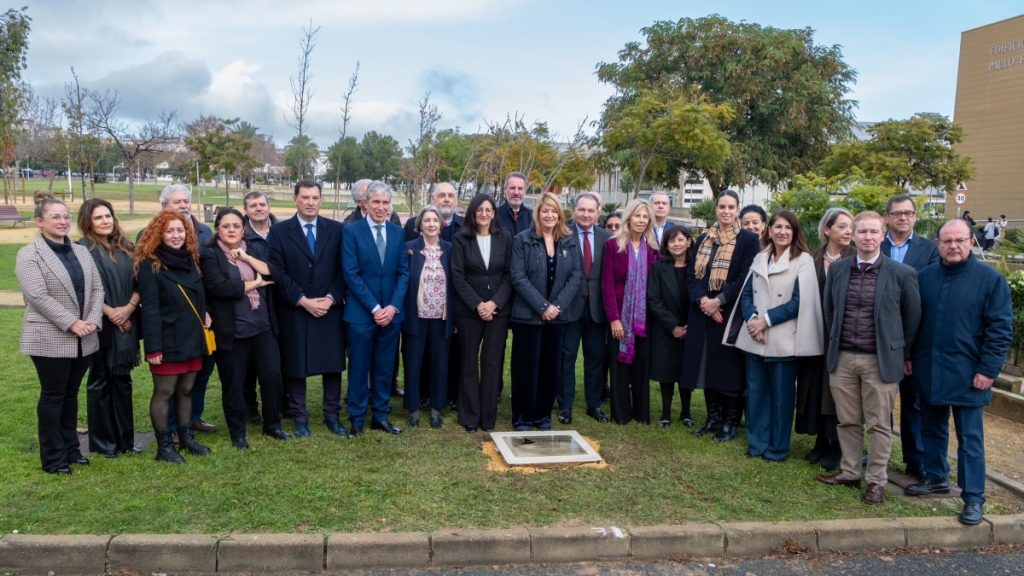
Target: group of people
<point>746,312</point>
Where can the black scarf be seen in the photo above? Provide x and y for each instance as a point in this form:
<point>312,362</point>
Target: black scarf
<point>123,348</point>
<point>175,258</point>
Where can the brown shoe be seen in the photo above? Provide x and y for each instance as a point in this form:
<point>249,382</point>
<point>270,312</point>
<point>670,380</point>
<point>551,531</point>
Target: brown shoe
<point>873,494</point>
<point>838,480</point>
<point>200,426</point>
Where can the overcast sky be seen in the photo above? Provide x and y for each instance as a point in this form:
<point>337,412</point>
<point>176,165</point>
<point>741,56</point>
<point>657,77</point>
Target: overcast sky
<point>480,59</point>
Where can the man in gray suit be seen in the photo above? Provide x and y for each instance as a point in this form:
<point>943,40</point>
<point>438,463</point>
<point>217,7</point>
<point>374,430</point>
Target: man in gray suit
<point>872,311</point>
<point>592,327</point>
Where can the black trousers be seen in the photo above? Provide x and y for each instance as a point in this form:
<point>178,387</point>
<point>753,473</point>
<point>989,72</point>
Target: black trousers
<point>483,357</point>
<point>631,389</point>
<point>597,350</point>
<point>233,366</point>
<point>428,349</point>
<point>109,408</point>
<point>536,373</point>
<point>57,410</point>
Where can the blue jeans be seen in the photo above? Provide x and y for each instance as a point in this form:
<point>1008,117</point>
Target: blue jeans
<point>970,450</point>
<point>771,394</point>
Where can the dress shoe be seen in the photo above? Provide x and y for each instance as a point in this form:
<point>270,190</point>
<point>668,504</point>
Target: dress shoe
<point>832,457</point>
<point>110,455</point>
<point>240,443</point>
<point>873,494</point>
<point>597,414</point>
<point>201,426</point>
<point>838,480</point>
<point>414,420</point>
<point>970,515</point>
<point>131,451</point>
<point>386,426</point>
<point>302,430</point>
<point>926,487</point>
<point>435,419</point>
<point>81,461</point>
<point>471,429</point>
<point>335,427</point>
<point>771,460</point>
<point>726,434</point>
<point>565,417</point>
<point>355,432</point>
<point>277,433</point>
<point>62,471</point>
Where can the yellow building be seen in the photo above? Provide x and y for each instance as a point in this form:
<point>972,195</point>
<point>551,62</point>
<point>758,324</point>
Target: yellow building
<point>990,107</point>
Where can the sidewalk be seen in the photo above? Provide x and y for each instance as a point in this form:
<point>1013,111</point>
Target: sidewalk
<point>280,553</point>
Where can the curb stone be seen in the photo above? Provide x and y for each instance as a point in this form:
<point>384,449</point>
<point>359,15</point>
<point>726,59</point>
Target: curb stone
<point>277,553</point>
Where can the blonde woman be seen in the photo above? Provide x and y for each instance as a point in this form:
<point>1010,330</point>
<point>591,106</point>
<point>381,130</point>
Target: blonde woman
<point>628,257</point>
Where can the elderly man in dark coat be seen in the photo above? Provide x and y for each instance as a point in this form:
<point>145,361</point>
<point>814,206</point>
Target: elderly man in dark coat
<point>966,330</point>
<point>305,259</point>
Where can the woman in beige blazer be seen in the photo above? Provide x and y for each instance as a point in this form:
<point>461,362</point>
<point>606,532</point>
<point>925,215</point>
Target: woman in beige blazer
<point>63,311</point>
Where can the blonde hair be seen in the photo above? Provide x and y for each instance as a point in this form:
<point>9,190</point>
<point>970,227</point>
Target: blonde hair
<point>622,236</point>
<point>561,230</point>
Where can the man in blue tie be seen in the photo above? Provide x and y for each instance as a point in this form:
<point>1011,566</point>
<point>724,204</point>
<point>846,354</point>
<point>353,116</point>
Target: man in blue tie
<point>377,274</point>
<point>305,258</point>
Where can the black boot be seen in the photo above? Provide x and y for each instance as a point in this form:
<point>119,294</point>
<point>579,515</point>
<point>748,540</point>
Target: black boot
<point>714,422</point>
<point>165,449</point>
<point>731,420</point>
<point>820,445</point>
<point>188,442</point>
<point>832,456</point>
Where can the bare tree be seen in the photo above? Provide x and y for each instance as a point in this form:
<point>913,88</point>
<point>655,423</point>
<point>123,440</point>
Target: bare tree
<point>423,151</point>
<point>573,145</point>
<point>38,132</point>
<point>160,135</point>
<point>302,89</point>
<point>346,115</point>
<point>78,132</point>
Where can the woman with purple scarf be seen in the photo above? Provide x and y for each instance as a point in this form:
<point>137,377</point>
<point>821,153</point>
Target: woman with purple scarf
<point>245,326</point>
<point>628,257</point>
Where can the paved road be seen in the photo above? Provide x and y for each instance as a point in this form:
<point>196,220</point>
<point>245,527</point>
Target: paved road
<point>995,562</point>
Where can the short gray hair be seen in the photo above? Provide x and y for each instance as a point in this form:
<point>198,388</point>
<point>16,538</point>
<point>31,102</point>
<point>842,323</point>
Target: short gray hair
<point>165,194</point>
<point>378,187</point>
<point>829,218</point>
<point>435,185</point>
<point>512,175</point>
<point>359,189</point>
<point>427,208</point>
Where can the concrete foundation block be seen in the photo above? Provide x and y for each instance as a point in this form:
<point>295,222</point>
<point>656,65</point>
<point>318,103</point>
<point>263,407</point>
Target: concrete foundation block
<point>858,535</point>
<point>352,551</point>
<point>473,547</point>
<point>270,553</point>
<point>946,532</point>
<point>750,539</point>
<point>1007,529</point>
<point>580,544</point>
<point>677,541</point>
<point>32,554</point>
<point>176,553</point>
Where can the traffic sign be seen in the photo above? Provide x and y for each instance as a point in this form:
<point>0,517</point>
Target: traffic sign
<point>960,198</point>
<point>961,187</point>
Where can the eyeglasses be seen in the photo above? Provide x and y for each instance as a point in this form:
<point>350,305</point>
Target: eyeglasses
<point>612,227</point>
<point>947,242</point>
<point>902,213</point>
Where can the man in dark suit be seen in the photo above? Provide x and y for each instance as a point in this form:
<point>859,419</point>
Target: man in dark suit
<point>359,199</point>
<point>661,205</point>
<point>305,259</point>
<point>592,326</point>
<point>872,311</point>
<point>512,215</point>
<point>377,274</point>
<point>902,245</point>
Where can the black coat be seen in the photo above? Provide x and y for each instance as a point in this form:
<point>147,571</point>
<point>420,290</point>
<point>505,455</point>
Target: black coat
<point>224,287</point>
<point>668,306</point>
<point>529,273</point>
<point>724,367</point>
<point>475,283</point>
<point>308,345</point>
<point>514,226</point>
<point>169,325</point>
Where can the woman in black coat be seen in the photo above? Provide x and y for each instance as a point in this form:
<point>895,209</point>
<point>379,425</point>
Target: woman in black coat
<point>668,306</point>
<point>173,316</point>
<point>427,324</point>
<point>245,324</point>
<point>718,265</point>
<point>547,272</point>
<point>481,256</point>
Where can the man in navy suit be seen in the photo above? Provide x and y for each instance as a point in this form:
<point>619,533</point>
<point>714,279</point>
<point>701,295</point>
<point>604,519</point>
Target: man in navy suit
<point>662,205</point>
<point>902,245</point>
<point>377,274</point>
<point>513,216</point>
<point>305,260</point>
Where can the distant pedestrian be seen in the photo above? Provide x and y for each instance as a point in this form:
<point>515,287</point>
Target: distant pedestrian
<point>990,232</point>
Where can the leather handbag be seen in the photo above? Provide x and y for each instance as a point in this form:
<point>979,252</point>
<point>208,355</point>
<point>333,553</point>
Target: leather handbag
<point>208,335</point>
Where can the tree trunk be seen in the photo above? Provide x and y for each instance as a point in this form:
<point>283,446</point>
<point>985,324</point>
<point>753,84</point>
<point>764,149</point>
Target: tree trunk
<point>131,191</point>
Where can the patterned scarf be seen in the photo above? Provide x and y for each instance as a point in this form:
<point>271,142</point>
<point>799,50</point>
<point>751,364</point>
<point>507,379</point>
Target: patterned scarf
<point>248,274</point>
<point>634,302</point>
<point>726,241</point>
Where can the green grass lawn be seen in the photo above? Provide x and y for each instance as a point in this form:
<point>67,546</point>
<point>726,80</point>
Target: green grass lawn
<point>422,480</point>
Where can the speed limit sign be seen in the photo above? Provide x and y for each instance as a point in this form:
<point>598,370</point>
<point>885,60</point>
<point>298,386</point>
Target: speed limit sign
<point>960,198</point>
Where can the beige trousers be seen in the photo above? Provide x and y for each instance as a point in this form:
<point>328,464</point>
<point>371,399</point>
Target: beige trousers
<point>863,400</point>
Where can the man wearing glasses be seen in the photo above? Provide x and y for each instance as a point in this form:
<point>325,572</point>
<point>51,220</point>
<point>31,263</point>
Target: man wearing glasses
<point>966,330</point>
<point>902,245</point>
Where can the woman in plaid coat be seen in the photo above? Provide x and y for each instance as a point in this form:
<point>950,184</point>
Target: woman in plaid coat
<point>63,312</point>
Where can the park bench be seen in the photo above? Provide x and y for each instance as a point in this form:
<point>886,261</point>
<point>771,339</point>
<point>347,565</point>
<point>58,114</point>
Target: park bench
<point>9,213</point>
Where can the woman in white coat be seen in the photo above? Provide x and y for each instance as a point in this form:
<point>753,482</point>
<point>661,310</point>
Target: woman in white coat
<point>780,321</point>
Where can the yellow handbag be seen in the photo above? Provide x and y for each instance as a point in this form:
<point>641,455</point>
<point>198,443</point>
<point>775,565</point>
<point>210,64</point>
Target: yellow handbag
<point>211,338</point>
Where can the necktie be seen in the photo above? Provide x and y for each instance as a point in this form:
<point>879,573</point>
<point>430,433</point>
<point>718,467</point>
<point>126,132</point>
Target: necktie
<point>588,256</point>
<point>310,239</point>
<point>380,241</point>
<point>864,266</point>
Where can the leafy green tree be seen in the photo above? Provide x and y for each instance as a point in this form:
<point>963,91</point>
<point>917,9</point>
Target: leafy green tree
<point>345,160</point>
<point>220,147</point>
<point>299,155</point>
<point>917,152</point>
<point>15,26</point>
<point>703,210</point>
<point>382,156</point>
<point>809,196</point>
<point>788,93</point>
<point>454,152</point>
